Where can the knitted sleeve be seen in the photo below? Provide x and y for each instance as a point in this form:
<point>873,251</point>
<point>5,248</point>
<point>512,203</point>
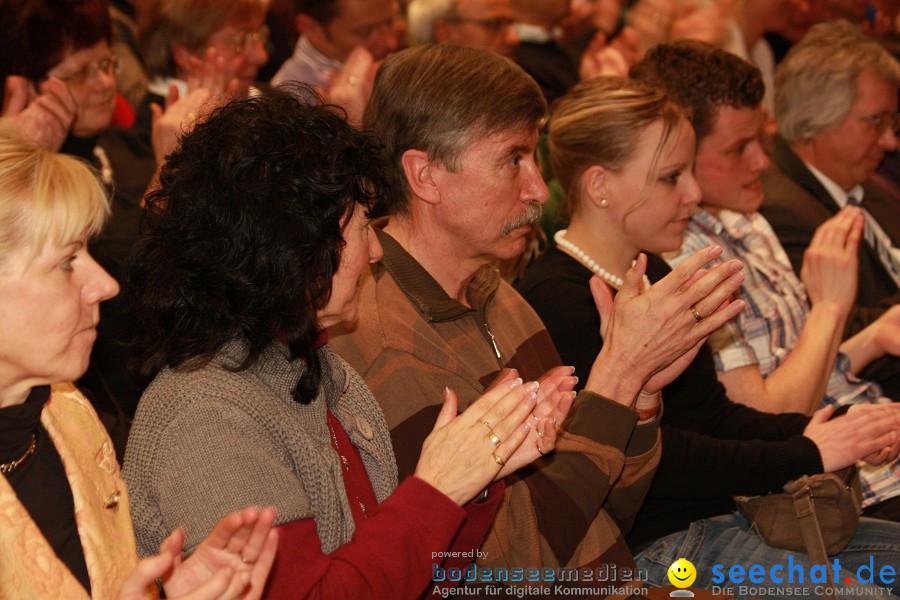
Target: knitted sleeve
<point>211,459</point>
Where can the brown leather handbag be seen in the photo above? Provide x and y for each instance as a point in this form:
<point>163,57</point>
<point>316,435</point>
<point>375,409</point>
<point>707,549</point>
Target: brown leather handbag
<point>816,514</point>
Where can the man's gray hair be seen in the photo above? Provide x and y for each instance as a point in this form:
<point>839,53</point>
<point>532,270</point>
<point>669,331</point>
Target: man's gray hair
<point>815,85</point>
<point>421,16</point>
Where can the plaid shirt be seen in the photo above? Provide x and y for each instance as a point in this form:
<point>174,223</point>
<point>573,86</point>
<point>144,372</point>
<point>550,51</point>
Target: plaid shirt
<point>776,310</point>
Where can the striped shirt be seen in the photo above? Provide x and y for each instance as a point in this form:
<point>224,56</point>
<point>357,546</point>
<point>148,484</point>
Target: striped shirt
<point>412,339</point>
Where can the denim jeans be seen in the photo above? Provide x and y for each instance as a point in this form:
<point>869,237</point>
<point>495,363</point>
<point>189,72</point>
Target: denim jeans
<point>728,540</point>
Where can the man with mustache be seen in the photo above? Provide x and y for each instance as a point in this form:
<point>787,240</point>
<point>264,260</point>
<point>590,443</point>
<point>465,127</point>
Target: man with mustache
<point>460,129</point>
<point>836,110</point>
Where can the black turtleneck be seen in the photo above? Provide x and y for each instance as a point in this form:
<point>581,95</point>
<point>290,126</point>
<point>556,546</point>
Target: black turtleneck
<point>40,481</point>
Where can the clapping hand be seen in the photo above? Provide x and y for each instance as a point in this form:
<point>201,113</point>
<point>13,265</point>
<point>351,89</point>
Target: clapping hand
<point>351,85</point>
<point>867,431</point>
<point>554,400</point>
<point>831,261</point>
<point>467,451</point>
<point>650,336</point>
<point>232,562</point>
<point>209,84</point>
<point>44,119</point>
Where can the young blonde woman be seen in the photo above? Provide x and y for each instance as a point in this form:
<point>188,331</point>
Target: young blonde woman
<point>624,154</point>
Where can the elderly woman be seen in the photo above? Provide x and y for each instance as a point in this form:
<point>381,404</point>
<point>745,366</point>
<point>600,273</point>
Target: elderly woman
<point>179,38</point>
<point>624,153</point>
<point>65,526</point>
<point>63,48</point>
<point>258,237</point>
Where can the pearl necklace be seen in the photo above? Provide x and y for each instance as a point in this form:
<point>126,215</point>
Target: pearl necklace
<point>560,238</point>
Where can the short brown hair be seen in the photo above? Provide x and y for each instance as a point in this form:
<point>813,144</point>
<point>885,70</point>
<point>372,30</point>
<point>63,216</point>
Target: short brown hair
<point>189,23</point>
<point>702,78</point>
<point>441,99</point>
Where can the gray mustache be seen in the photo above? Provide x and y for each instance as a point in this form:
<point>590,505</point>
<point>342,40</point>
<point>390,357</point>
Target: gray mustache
<point>531,215</point>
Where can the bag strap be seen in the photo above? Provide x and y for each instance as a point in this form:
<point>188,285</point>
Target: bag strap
<point>805,510</point>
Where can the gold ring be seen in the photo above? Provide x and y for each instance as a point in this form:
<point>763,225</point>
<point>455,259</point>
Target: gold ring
<point>487,425</point>
<point>493,437</point>
<point>540,451</point>
<point>498,460</point>
<point>537,430</point>
<point>245,561</point>
<point>697,316</point>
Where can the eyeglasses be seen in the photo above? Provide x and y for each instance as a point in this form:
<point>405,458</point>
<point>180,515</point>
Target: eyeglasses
<point>245,39</point>
<point>495,25</point>
<point>882,121</point>
<point>108,65</point>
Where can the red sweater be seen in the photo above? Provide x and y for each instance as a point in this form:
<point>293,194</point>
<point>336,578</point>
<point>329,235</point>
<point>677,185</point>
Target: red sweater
<point>390,554</point>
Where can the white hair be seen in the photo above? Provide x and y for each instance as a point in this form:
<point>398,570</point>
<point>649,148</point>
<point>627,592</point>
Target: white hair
<point>421,16</point>
<point>815,84</point>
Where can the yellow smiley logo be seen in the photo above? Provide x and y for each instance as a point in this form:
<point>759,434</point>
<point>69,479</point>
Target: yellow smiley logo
<point>682,573</point>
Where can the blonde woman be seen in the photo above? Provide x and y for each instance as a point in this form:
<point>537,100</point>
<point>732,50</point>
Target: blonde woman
<point>624,154</point>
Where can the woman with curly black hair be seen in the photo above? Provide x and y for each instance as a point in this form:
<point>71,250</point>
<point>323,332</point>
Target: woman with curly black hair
<point>258,236</point>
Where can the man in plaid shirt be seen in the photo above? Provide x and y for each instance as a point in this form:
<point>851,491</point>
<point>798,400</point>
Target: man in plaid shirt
<point>782,354</point>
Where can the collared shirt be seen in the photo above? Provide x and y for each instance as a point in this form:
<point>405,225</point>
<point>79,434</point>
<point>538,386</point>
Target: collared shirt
<point>160,86</point>
<point>307,65</point>
<point>890,256</point>
<point>776,310</point>
<point>536,34</point>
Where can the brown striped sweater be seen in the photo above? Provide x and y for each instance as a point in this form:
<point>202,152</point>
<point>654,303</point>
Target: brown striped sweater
<point>412,339</point>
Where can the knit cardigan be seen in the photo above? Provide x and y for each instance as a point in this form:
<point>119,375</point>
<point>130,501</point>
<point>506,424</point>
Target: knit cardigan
<point>214,440</point>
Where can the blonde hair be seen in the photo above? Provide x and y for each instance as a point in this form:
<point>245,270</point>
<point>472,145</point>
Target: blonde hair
<point>598,122</point>
<point>43,193</point>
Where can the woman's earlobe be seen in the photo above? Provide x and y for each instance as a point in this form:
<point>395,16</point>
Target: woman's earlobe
<point>595,186</point>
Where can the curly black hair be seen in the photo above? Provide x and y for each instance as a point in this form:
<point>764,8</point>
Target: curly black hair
<point>701,78</point>
<point>244,233</point>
